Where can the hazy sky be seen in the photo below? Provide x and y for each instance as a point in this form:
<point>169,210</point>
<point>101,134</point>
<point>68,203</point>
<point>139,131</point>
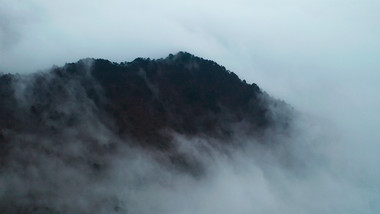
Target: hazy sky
<point>318,55</point>
<point>323,57</point>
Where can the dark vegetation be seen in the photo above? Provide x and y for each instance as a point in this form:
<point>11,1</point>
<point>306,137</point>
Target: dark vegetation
<point>98,105</point>
<point>142,99</point>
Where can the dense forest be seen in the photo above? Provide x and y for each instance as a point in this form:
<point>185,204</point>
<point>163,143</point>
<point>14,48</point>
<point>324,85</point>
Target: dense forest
<point>84,113</point>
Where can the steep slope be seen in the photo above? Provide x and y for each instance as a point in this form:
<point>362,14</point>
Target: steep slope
<point>66,132</point>
<point>142,99</point>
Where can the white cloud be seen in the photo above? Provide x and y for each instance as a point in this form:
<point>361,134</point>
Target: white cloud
<point>320,56</point>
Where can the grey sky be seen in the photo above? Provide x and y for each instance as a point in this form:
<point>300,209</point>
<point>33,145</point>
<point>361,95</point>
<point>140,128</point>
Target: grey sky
<point>293,49</point>
<point>323,57</point>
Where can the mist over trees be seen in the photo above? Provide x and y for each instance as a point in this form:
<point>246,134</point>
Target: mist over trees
<point>175,135</point>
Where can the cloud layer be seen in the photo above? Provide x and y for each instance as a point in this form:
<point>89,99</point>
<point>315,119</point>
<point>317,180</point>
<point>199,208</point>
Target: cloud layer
<point>319,56</point>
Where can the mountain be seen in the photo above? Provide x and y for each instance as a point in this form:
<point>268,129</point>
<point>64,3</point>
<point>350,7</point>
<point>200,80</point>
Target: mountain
<point>140,99</point>
<point>83,113</point>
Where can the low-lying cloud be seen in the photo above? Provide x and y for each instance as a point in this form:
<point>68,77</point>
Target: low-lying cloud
<point>89,169</point>
<point>319,56</point>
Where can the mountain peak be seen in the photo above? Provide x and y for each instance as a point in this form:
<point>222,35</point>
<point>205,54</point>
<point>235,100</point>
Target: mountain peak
<point>140,99</point>
<point>83,118</point>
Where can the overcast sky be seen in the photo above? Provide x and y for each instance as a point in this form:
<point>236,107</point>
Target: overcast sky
<point>323,57</point>
<point>293,49</point>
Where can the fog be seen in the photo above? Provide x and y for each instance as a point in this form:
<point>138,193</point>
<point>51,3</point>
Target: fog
<point>321,57</point>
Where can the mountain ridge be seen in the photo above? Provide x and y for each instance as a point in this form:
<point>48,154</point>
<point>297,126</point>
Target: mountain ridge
<point>96,122</point>
<point>144,99</point>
